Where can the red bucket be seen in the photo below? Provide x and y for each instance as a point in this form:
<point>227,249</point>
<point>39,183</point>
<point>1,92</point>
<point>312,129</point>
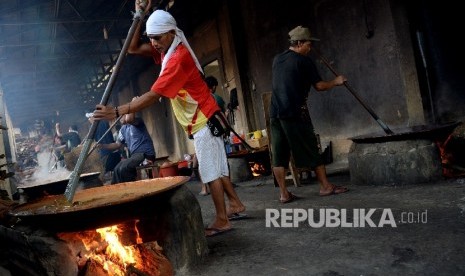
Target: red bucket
<point>169,170</point>
<point>183,164</point>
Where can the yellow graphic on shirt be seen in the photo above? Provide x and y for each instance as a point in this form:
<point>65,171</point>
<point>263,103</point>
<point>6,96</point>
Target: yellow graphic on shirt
<point>185,109</point>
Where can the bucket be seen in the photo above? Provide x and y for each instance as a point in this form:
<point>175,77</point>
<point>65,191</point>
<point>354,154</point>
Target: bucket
<point>183,168</point>
<point>255,134</point>
<point>169,169</point>
<point>239,170</point>
<point>183,164</point>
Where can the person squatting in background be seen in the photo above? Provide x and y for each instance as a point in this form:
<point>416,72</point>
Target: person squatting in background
<point>135,136</point>
<point>109,158</point>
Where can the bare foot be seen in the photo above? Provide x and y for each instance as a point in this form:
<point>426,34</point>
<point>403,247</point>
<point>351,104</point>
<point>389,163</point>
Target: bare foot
<point>217,225</point>
<point>289,199</point>
<point>235,209</point>
<point>212,231</point>
<point>334,190</point>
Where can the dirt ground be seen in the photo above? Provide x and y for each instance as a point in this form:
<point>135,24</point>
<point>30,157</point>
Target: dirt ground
<point>428,237</point>
<point>413,230</point>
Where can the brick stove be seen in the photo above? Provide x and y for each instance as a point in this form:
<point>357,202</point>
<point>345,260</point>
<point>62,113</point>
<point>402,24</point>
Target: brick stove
<point>409,156</point>
<point>41,237</point>
<point>394,163</point>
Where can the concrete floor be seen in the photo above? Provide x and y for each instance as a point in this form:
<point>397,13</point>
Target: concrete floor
<point>429,237</point>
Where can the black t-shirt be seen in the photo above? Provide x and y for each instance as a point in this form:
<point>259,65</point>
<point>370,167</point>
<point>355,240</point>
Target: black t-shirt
<point>293,75</point>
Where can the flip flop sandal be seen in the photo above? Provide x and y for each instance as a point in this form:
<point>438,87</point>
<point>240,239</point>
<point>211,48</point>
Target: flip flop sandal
<point>335,191</point>
<point>292,197</point>
<point>237,216</point>
<point>215,231</point>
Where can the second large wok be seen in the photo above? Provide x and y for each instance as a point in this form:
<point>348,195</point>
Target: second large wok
<point>38,189</point>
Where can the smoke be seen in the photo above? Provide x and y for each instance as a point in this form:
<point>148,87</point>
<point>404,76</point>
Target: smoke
<point>45,171</point>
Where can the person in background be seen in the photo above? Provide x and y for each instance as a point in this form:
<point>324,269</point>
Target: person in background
<point>64,143</point>
<point>135,136</point>
<point>109,158</point>
<point>181,81</point>
<point>212,84</point>
<point>292,132</point>
<point>70,139</point>
<point>58,149</point>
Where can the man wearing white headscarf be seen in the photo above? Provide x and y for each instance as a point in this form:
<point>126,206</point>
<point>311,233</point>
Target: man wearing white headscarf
<point>181,80</point>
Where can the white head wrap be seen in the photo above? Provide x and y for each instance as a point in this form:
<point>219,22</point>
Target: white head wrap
<point>161,22</point>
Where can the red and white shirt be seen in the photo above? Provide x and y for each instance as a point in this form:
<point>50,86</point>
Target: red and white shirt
<point>183,84</point>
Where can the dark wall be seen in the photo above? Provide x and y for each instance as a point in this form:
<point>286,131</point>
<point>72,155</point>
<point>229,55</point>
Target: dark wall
<point>370,64</point>
<point>369,42</point>
<point>435,27</point>
<point>372,42</point>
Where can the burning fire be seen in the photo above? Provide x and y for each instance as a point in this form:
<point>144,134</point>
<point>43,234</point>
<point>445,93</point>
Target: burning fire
<point>257,169</point>
<point>451,155</point>
<point>103,251</point>
<point>103,247</point>
<point>116,254</point>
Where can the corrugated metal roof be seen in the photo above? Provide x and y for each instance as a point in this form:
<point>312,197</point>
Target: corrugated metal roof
<point>55,55</point>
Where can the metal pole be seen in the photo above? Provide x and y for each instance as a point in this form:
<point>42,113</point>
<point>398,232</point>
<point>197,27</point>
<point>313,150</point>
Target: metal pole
<point>351,90</point>
<point>74,177</point>
<point>421,46</point>
<point>106,132</point>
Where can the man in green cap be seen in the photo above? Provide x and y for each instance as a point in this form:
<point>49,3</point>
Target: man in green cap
<point>292,132</point>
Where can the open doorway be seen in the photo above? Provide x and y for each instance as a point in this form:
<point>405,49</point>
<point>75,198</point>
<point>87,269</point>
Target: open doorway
<point>213,69</point>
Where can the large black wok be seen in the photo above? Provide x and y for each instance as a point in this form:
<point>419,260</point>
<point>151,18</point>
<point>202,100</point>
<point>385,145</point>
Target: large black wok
<point>35,190</point>
<point>99,206</point>
<point>431,132</point>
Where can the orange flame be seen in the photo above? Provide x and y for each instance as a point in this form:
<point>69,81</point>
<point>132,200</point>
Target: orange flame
<point>115,250</point>
<point>451,168</point>
<point>257,169</point>
<point>110,253</point>
<point>138,238</point>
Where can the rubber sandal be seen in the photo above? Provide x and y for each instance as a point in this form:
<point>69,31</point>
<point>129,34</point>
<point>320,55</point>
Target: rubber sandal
<point>237,216</point>
<point>292,197</point>
<point>215,231</point>
<point>335,191</point>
